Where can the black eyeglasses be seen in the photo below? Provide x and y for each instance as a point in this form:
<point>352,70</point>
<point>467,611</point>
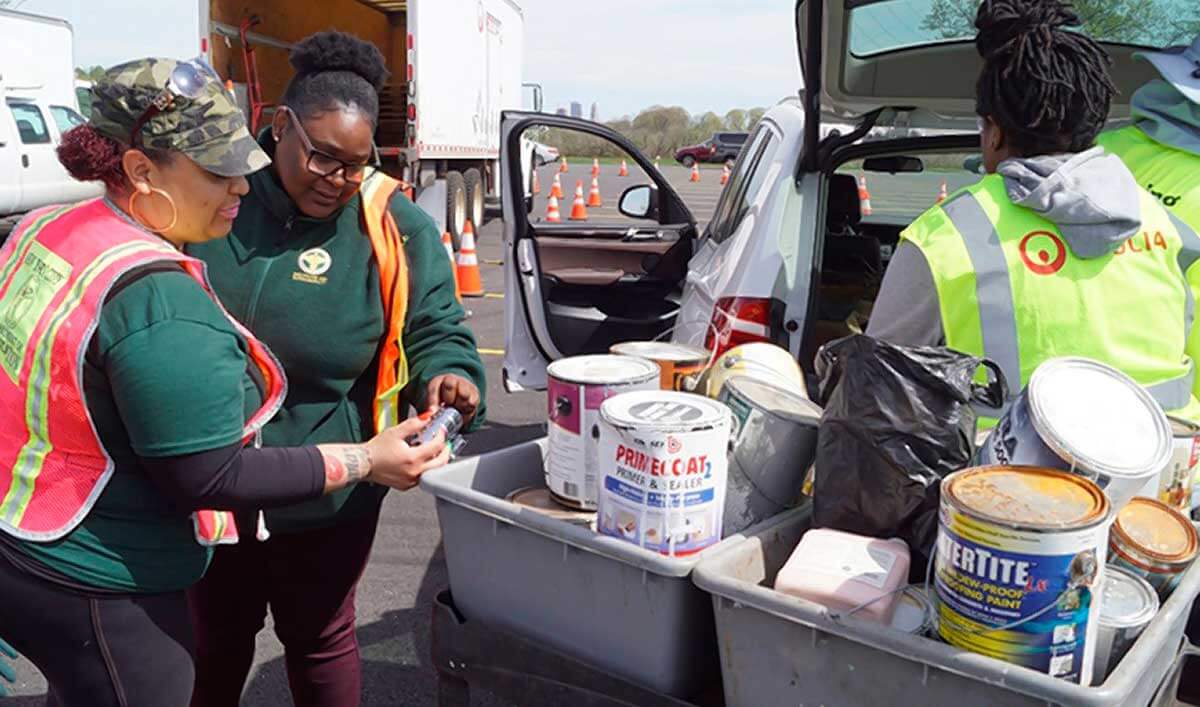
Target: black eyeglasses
<point>327,166</point>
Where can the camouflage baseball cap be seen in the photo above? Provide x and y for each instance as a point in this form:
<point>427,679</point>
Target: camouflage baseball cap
<point>210,128</point>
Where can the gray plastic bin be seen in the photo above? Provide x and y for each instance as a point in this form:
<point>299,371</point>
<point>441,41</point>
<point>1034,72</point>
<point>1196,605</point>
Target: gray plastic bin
<point>781,650</point>
<point>623,609</point>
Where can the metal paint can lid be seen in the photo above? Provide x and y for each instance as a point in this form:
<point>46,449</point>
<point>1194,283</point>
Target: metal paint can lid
<point>914,612</point>
<point>664,411</point>
<point>773,399</point>
<point>1156,530</point>
<point>1098,418</point>
<point>540,500</point>
<point>603,369</point>
<point>662,351</point>
<point>1126,599</point>
<point>1027,497</point>
<point>1183,429</point>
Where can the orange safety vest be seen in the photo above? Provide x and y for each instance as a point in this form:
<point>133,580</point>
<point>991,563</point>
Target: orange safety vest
<point>55,271</point>
<point>388,244</point>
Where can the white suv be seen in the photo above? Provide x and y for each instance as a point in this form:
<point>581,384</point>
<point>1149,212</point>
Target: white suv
<point>791,255</point>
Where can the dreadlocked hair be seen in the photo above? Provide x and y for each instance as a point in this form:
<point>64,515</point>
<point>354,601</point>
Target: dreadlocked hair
<point>1047,88</point>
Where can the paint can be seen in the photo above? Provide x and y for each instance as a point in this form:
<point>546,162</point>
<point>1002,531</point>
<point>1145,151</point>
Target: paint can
<point>1175,483</point>
<point>914,611</point>
<point>1127,604</point>
<point>1084,417</point>
<point>677,362</point>
<point>1154,541</point>
<point>663,469</point>
<point>774,443</point>
<point>540,500</point>
<point>576,388</point>
<point>766,362</point>
<point>1020,557</point>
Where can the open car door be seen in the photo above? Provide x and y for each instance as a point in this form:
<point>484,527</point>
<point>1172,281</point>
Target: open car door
<point>579,286</point>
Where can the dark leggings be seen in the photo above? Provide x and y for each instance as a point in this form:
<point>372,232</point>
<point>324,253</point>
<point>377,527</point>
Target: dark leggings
<point>97,651</point>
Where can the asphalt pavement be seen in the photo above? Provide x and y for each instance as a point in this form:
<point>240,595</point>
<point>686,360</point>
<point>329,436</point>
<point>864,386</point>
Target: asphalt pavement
<point>407,567</point>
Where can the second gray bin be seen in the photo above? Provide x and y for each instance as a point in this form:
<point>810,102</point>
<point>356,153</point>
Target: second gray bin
<point>628,611</point>
<point>781,650</point>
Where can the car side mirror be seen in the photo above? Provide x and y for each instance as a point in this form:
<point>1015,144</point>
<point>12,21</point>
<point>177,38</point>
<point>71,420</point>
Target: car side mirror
<point>639,201</point>
<point>894,164</point>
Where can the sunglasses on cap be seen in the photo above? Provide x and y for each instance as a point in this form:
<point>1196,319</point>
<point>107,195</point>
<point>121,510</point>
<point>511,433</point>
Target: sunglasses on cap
<point>189,79</point>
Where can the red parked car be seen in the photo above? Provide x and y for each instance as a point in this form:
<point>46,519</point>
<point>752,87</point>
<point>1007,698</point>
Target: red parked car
<point>721,147</point>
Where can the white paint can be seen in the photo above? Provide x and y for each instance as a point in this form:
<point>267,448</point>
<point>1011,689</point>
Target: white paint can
<point>663,470</point>
<point>576,388</point>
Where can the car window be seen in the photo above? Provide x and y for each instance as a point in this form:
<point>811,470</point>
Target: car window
<point>734,138</point>
<point>898,199</point>
<point>30,124</point>
<point>65,118</point>
<point>748,172</point>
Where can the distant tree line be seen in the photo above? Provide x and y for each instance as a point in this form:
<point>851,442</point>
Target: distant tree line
<point>656,131</point>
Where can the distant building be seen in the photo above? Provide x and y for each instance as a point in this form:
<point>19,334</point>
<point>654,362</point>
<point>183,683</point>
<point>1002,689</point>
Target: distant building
<point>561,110</point>
<point>576,109</point>
<point>595,117</point>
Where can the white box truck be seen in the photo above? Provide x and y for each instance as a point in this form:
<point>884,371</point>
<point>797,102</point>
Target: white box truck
<point>455,65</point>
<point>37,93</point>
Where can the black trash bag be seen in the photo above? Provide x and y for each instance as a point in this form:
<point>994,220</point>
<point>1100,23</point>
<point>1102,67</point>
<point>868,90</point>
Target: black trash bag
<point>897,421</point>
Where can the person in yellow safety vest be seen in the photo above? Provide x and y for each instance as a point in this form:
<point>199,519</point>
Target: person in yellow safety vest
<point>1162,147</point>
<point>1057,251</point>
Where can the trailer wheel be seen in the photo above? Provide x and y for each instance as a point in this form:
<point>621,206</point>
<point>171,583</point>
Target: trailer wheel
<point>456,207</point>
<point>474,183</point>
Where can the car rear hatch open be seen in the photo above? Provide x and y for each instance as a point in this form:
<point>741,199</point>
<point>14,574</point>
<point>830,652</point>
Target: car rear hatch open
<point>918,56</point>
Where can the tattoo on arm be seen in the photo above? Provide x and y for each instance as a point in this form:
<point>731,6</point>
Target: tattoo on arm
<point>345,464</point>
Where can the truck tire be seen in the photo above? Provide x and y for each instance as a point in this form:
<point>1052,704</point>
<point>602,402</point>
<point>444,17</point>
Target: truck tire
<point>475,189</point>
<point>688,161</point>
<point>456,207</point>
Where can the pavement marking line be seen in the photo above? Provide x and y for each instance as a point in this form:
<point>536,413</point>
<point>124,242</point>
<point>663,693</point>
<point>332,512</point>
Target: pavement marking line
<point>493,295</point>
<point>491,352</point>
<point>485,261</point>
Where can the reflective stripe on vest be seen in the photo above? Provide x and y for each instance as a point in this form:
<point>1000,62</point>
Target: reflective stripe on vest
<point>387,243</point>
<point>1000,314</point>
<point>55,273</point>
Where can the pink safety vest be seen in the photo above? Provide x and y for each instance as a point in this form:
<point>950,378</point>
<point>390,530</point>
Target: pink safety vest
<point>56,269</point>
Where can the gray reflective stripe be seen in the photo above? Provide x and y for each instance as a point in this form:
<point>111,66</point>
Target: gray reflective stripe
<point>1176,393</point>
<point>1188,255</point>
<point>992,287</point>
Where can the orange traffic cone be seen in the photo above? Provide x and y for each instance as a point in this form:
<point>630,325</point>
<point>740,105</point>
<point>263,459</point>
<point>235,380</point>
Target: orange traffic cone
<point>624,170</point>
<point>448,244</point>
<point>942,193</point>
<point>578,209</point>
<point>594,194</point>
<point>552,215</point>
<point>725,175</point>
<point>695,173</point>
<point>469,279</point>
<point>864,196</point>
<point>562,167</point>
<point>556,188</point>
<point>595,167</point>
<point>537,185</point>
<point>229,88</point>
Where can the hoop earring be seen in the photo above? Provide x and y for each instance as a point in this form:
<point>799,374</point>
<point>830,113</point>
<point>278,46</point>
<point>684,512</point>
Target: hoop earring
<point>174,210</point>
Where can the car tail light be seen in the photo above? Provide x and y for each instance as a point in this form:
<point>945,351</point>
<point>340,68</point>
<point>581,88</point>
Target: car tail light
<point>736,321</point>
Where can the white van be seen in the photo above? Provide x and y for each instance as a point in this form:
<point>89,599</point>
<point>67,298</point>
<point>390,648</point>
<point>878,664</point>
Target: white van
<point>37,105</point>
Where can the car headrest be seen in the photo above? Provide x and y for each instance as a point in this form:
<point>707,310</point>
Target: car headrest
<point>844,210</point>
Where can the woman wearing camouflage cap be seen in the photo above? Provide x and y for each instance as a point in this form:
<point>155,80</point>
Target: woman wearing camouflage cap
<point>128,397</point>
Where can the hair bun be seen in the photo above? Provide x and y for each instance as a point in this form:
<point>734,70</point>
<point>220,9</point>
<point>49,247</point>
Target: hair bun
<point>1001,21</point>
<point>338,51</point>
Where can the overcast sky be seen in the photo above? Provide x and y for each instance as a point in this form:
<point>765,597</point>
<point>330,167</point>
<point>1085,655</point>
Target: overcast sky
<point>623,54</point>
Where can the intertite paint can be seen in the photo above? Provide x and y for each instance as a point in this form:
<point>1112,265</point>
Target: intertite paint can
<point>678,363</point>
<point>774,443</point>
<point>1020,558</point>
<point>1127,604</point>
<point>663,468</point>
<point>576,388</point>
<point>1090,419</point>
<point>1154,541</point>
